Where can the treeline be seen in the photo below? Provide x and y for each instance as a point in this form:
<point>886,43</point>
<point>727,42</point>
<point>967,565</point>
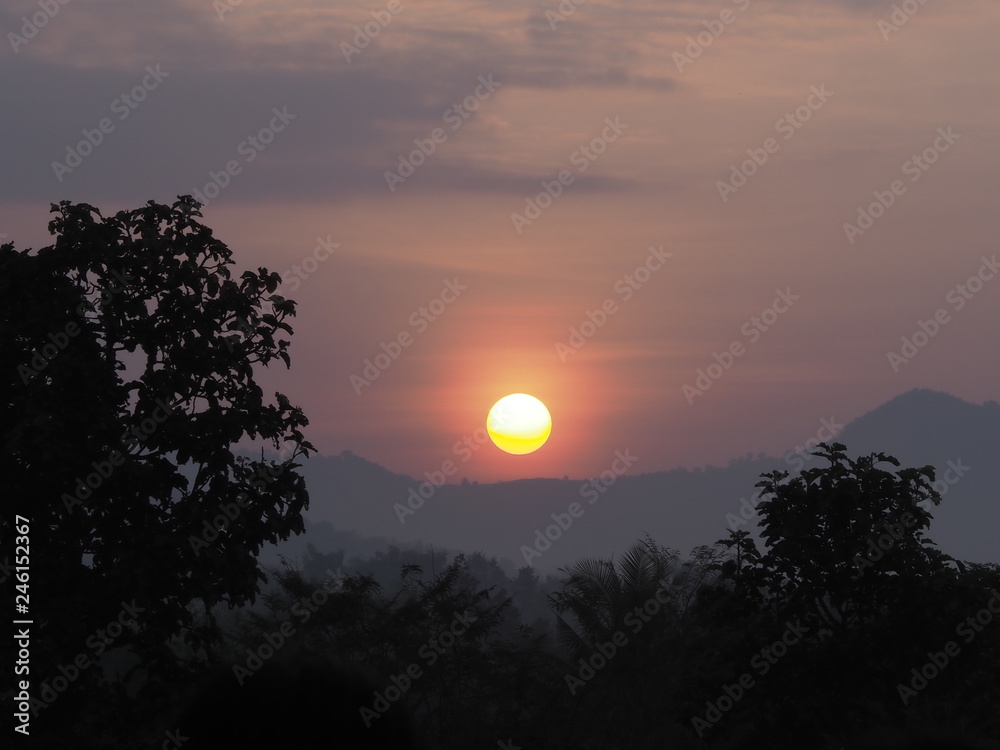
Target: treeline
<point>848,623</point>
<point>846,626</point>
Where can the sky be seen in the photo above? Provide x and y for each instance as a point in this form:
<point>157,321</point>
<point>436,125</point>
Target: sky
<point>694,230</point>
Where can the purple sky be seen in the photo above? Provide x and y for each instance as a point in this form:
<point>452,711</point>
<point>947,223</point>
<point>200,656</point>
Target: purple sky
<point>633,123</point>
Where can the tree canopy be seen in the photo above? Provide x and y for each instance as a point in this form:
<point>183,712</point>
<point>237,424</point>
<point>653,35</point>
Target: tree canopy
<point>130,351</point>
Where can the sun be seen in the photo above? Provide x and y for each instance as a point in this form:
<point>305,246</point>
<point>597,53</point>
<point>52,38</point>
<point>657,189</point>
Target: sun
<point>519,424</point>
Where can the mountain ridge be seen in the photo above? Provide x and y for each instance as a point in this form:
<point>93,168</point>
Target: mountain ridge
<point>680,507</point>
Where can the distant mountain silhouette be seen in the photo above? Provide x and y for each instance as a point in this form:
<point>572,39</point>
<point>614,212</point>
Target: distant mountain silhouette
<point>923,425</point>
<point>680,508</point>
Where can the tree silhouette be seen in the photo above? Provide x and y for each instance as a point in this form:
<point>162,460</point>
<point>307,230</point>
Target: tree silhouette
<point>846,554</point>
<point>847,538</point>
<point>598,595</point>
<point>128,377</point>
<point>463,690</point>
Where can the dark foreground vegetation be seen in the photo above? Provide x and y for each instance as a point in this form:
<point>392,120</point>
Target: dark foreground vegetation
<point>129,375</point>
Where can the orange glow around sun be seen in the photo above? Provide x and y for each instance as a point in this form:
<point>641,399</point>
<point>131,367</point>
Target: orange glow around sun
<point>477,375</point>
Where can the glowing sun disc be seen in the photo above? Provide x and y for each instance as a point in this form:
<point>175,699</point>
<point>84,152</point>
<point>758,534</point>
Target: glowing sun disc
<point>519,424</point>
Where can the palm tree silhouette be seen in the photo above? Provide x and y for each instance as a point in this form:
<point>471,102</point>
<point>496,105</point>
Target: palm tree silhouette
<point>598,595</point>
